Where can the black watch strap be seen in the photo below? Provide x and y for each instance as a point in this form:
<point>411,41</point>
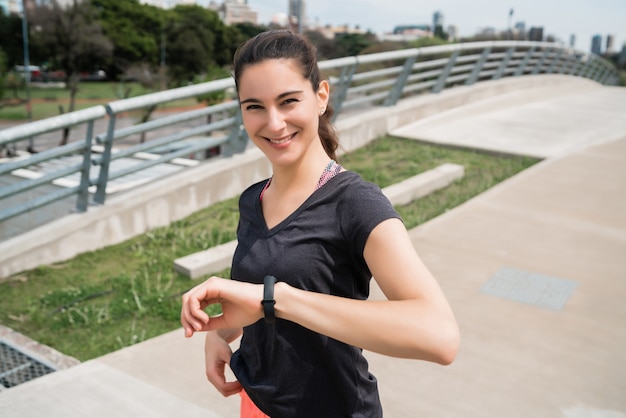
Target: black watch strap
<point>268,301</point>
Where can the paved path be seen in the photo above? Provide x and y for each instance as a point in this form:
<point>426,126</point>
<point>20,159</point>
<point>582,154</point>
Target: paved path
<point>533,268</point>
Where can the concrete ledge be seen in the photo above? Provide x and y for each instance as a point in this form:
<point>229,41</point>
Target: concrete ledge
<point>421,185</point>
<point>42,353</point>
<point>218,258</point>
<point>205,262</point>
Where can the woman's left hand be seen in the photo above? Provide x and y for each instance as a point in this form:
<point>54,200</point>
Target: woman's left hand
<point>241,305</point>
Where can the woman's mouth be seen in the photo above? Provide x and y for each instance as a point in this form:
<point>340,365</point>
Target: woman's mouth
<point>282,140</point>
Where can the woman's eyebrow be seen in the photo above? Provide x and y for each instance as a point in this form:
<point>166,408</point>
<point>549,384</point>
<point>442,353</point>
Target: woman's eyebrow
<point>280,96</point>
<point>249,101</point>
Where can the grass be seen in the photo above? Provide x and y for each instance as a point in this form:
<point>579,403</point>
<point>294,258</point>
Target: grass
<point>46,101</point>
<point>105,300</point>
<point>390,160</point>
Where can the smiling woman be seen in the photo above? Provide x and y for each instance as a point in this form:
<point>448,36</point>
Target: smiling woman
<point>310,238</point>
<point>277,115</point>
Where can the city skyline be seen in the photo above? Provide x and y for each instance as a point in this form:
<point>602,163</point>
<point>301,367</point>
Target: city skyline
<point>561,18</point>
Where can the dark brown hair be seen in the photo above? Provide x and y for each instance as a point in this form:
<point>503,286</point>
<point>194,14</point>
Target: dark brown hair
<point>284,44</point>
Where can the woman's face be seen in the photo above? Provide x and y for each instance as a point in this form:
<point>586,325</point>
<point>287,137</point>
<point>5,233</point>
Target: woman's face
<point>280,110</point>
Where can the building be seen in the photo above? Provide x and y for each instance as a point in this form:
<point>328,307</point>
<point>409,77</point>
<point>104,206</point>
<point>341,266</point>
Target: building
<point>621,59</point>
<point>572,40</point>
<point>406,33</point>
<point>519,30</point>
<point>610,39</point>
<point>297,9</point>
<point>596,44</point>
<point>234,11</point>
<point>297,14</point>
<point>280,19</point>
<point>536,34</point>
<point>437,20</point>
<point>453,33</point>
<point>412,29</point>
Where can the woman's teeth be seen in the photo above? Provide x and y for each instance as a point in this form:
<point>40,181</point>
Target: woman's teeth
<point>280,141</point>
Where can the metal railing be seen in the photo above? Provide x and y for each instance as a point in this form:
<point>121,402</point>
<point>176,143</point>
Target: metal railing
<point>360,81</point>
<point>380,79</point>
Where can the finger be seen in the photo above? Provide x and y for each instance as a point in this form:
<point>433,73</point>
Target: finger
<point>192,312</point>
<point>189,324</point>
<point>231,388</point>
<point>218,379</point>
<point>224,387</point>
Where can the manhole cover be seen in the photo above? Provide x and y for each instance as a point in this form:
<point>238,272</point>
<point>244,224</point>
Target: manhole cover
<point>531,288</point>
<point>17,368</point>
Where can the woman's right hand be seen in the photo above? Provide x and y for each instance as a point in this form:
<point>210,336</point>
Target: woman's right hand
<point>240,303</point>
<point>217,355</point>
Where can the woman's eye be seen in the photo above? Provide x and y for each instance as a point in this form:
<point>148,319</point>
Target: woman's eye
<point>291,100</point>
<point>253,107</point>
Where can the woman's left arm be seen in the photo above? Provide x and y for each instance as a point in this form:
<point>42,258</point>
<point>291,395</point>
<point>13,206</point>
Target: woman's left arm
<point>415,322</point>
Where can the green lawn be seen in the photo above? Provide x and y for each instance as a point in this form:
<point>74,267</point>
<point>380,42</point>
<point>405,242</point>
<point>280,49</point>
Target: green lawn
<point>104,300</point>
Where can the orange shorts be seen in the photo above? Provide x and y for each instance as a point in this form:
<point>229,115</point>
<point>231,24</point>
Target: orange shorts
<point>248,408</point>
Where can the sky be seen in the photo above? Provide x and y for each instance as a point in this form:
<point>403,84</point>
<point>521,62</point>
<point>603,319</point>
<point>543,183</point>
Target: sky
<point>561,18</point>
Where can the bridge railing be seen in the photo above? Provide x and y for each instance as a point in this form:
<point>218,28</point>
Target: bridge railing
<point>11,135</point>
<point>380,79</point>
<point>385,78</point>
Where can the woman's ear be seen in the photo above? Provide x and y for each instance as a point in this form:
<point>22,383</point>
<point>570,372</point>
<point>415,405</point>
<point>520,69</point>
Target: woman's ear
<point>323,94</point>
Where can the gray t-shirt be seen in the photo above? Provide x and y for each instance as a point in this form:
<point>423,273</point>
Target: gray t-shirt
<point>286,369</point>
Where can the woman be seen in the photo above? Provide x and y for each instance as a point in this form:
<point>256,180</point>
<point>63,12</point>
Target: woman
<point>322,232</point>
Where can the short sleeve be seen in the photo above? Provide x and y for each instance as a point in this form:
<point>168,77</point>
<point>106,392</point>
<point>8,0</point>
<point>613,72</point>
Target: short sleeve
<point>363,206</point>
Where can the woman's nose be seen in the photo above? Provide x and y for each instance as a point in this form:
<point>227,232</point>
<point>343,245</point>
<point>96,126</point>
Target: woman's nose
<point>275,120</point>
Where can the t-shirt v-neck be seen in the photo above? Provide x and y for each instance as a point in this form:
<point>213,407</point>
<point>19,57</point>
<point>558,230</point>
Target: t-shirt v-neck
<point>322,191</point>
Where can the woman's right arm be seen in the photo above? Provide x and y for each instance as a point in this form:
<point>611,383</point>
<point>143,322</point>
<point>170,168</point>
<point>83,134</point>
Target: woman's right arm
<point>217,354</point>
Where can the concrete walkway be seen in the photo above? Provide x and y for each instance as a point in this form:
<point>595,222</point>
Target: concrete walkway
<point>533,268</point>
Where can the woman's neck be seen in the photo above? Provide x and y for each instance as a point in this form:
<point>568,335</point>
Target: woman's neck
<point>301,176</point>
<point>290,186</point>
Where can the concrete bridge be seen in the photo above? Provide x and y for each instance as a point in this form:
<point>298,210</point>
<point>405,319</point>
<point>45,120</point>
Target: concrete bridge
<point>533,269</point>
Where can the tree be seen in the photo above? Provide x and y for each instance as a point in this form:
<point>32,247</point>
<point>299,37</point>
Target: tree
<point>136,31</point>
<point>423,42</point>
<point>249,30</point>
<point>74,40</point>
<point>349,44</point>
<point>385,46</point>
<point>11,41</point>
<point>3,72</point>
<point>344,44</point>
<point>191,42</point>
<point>228,38</point>
<point>325,47</point>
